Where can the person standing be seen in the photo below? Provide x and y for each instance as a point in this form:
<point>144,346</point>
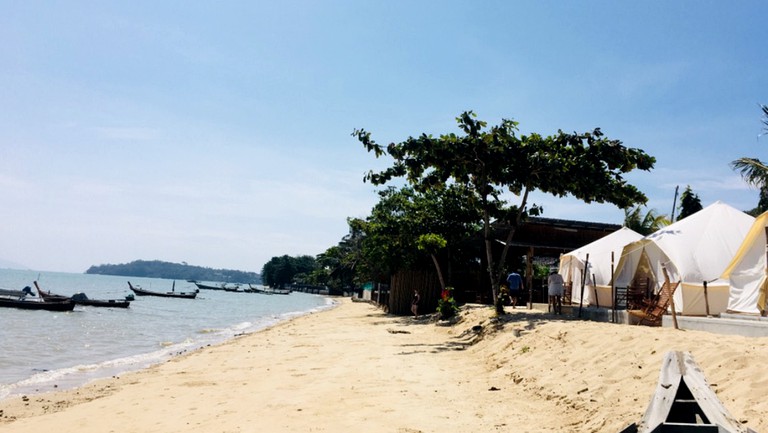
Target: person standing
<point>415,304</point>
<point>515,285</point>
<point>555,289</point>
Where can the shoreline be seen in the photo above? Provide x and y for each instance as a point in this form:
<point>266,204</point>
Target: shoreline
<point>353,367</point>
<point>80,375</point>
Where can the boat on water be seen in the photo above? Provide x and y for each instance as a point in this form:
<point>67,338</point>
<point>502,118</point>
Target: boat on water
<point>82,299</point>
<point>202,286</point>
<point>172,294</point>
<point>22,303</point>
<point>222,286</point>
<point>268,291</point>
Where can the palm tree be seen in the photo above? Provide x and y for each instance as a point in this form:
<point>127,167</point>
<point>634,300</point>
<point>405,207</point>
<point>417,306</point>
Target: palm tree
<point>754,171</point>
<point>644,225</point>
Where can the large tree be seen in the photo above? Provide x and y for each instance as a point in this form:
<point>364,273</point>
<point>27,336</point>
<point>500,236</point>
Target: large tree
<point>279,271</point>
<point>402,217</point>
<point>587,165</point>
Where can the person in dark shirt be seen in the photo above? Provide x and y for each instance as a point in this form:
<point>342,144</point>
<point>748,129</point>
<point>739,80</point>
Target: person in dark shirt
<point>515,284</point>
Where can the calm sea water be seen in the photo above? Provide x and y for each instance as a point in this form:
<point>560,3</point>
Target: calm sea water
<point>43,350</point>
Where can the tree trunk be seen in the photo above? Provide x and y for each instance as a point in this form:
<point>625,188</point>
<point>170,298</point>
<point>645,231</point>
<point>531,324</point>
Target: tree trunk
<point>439,272</point>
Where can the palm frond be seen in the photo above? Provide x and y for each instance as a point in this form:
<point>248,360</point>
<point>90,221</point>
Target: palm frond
<point>752,170</point>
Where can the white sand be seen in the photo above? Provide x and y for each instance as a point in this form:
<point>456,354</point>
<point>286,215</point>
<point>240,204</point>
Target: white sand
<point>355,369</point>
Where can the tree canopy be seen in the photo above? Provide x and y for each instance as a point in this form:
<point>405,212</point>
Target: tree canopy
<point>689,203</point>
<point>403,227</point>
<point>644,224</point>
<point>490,161</point>
<point>283,270</point>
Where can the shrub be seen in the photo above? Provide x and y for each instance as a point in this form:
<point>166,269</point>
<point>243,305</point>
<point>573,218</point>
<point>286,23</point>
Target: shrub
<point>446,306</point>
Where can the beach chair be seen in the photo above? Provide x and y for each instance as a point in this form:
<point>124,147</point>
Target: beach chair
<point>634,296</point>
<point>638,293</point>
<point>567,293</point>
<point>657,305</point>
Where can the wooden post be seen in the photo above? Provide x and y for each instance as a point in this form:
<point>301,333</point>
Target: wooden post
<point>671,298</point>
<point>570,276</point>
<point>529,276</point>
<point>594,284</point>
<point>761,298</point>
<point>706,299</point>
<point>613,294</point>
<point>583,277</point>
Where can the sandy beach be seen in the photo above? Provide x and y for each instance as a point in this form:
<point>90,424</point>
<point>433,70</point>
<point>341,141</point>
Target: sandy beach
<point>354,368</point>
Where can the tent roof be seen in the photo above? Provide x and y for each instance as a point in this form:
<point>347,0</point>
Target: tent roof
<point>756,234</point>
<point>701,245</point>
<point>706,240</point>
<point>612,242</point>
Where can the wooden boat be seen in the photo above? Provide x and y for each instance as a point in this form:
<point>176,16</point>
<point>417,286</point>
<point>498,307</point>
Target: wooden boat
<point>24,304</point>
<point>268,291</point>
<point>202,286</point>
<point>684,402</point>
<point>222,286</point>
<point>82,299</point>
<point>254,289</point>
<point>173,294</point>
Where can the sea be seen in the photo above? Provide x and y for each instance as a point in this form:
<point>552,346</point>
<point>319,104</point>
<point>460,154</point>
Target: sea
<point>42,351</point>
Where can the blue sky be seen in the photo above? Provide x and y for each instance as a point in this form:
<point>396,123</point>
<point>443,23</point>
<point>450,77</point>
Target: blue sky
<point>218,133</point>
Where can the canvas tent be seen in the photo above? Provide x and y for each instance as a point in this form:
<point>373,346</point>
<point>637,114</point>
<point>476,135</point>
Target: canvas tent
<point>603,254</point>
<point>746,274</point>
<point>693,250</point>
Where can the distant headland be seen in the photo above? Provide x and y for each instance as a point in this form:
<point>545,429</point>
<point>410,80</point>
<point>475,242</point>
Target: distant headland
<point>175,271</point>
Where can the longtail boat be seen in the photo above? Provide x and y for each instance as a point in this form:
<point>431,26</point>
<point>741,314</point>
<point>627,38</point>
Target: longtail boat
<point>268,291</point>
<point>24,304</point>
<point>82,299</point>
<point>173,294</point>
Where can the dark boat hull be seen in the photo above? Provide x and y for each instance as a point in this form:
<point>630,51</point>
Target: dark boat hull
<point>207,287</point>
<point>114,303</point>
<point>66,305</point>
<point>52,297</point>
<point>141,292</point>
<point>254,289</point>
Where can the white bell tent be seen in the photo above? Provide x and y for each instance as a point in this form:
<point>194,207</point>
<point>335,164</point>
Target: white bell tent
<point>694,250</point>
<point>746,274</point>
<point>602,254</point>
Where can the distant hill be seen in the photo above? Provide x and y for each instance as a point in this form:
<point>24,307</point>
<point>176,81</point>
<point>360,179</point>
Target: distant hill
<point>175,271</point>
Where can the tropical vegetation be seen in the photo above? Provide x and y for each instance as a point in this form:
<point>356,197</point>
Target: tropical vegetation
<point>690,203</point>
<point>644,224</point>
<point>755,172</point>
<point>283,270</point>
<point>492,162</point>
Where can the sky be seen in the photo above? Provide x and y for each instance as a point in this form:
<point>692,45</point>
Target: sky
<point>219,133</point>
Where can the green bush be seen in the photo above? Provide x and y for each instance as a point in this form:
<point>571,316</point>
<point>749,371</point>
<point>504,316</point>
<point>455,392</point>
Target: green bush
<point>446,305</point>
